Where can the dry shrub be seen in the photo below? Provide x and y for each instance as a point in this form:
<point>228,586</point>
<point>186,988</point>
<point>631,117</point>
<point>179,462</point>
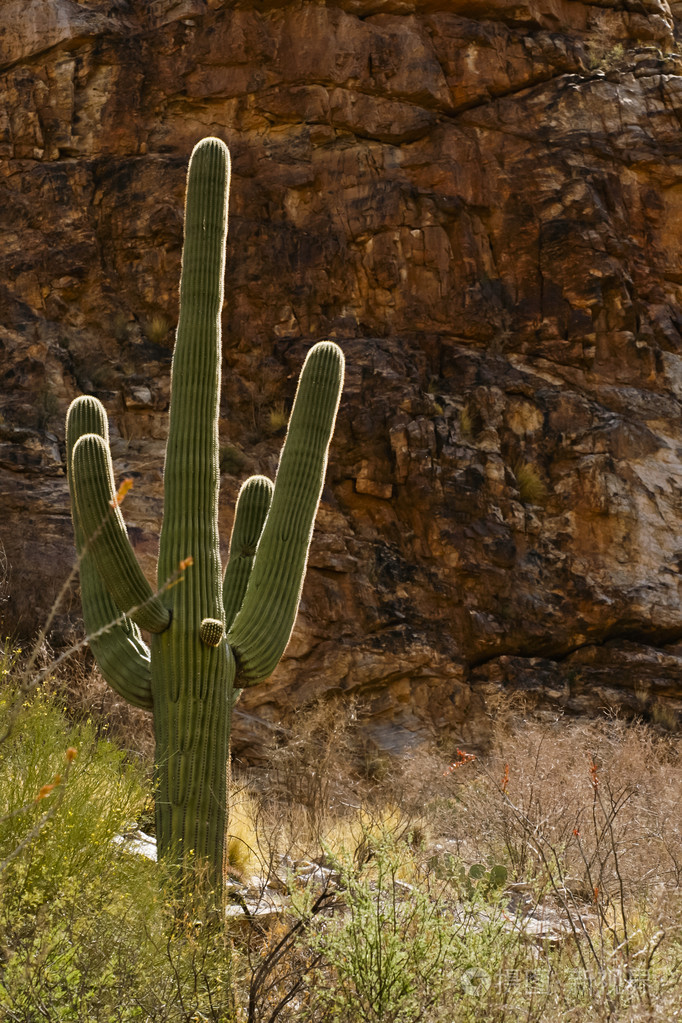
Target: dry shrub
<point>86,696</point>
<point>583,815</point>
<point>583,788</point>
<point>313,773</point>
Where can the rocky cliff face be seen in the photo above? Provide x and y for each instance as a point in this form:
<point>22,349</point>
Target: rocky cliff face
<point>481,201</point>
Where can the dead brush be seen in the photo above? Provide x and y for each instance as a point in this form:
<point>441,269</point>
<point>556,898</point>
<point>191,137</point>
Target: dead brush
<point>87,697</point>
<point>587,816</point>
<point>313,774</point>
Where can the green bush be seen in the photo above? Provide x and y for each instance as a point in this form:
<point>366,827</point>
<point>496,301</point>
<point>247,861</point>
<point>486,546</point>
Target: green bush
<point>102,795</point>
<point>396,950</point>
<point>87,930</point>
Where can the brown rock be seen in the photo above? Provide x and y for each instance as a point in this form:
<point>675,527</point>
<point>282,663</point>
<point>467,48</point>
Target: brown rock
<point>481,202</point>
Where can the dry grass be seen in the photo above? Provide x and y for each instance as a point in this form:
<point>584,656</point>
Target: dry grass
<point>583,816</point>
<point>313,774</point>
<point>277,418</point>
<point>466,423</point>
<point>244,854</point>
<point>156,329</point>
<point>86,696</point>
<point>531,487</point>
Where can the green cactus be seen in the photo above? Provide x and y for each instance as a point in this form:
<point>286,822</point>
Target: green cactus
<point>210,636</point>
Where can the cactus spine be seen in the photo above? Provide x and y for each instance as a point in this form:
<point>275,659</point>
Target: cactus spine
<point>211,635</point>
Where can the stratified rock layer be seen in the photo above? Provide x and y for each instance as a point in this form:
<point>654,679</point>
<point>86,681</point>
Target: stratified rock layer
<point>482,203</point>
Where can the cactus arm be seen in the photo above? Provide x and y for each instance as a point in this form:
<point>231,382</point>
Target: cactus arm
<point>122,656</point>
<point>250,514</point>
<point>262,628</point>
<point>106,536</point>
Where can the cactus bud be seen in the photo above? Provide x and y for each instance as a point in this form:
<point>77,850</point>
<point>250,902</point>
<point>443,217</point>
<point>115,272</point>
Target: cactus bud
<point>211,632</point>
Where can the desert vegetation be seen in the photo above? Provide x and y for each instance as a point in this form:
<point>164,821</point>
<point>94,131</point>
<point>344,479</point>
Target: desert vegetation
<point>537,880</point>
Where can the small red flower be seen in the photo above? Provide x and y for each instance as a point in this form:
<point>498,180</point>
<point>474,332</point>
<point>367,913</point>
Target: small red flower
<point>593,774</point>
<point>462,759</point>
<point>123,489</point>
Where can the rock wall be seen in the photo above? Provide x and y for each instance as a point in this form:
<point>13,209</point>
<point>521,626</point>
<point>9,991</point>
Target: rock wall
<point>481,201</point>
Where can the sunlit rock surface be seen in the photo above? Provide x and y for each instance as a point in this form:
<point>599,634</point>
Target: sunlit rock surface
<point>482,203</point>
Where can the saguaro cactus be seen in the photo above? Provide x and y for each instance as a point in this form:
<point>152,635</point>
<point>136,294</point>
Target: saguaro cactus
<point>211,635</point>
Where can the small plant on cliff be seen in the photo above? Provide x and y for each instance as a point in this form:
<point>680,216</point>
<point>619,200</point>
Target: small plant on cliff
<point>277,418</point>
<point>466,423</point>
<point>531,487</point>
<point>211,635</point>
<point>157,328</point>
<point>607,57</point>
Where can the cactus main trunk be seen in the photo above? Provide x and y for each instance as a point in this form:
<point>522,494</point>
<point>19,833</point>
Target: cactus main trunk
<point>191,682</point>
